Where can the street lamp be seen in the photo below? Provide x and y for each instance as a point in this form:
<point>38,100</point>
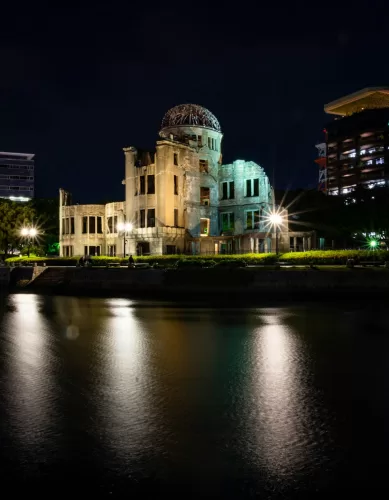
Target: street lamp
<point>276,220</point>
<point>373,244</point>
<point>125,228</point>
<point>29,233</point>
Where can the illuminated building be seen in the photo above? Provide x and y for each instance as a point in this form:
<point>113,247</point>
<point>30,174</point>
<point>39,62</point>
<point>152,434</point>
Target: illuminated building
<point>180,198</point>
<point>357,143</point>
<point>16,176</point>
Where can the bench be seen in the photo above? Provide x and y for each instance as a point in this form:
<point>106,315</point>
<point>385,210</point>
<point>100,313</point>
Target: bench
<point>371,263</point>
<point>141,265</point>
<point>113,264</point>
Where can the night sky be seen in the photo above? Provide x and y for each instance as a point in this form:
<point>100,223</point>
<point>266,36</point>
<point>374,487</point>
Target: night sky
<point>79,84</point>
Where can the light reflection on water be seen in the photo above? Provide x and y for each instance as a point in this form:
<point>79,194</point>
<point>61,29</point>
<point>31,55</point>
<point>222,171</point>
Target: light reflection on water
<point>280,416</point>
<point>209,396</point>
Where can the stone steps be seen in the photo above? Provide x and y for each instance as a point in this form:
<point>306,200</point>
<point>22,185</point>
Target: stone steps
<point>51,276</point>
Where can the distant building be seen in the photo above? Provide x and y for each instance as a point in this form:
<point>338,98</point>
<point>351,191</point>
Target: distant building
<point>16,176</point>
<point>357,143</point>
<point>181,199</point>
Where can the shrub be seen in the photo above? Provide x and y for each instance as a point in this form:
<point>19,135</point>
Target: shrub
<point>314,257</point>
<point>334,257</point>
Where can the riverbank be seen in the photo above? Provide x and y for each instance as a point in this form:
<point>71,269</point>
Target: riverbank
<point>232,285</point>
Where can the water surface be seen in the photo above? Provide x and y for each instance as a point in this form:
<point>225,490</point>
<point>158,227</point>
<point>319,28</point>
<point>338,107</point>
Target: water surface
<point>114,396</point>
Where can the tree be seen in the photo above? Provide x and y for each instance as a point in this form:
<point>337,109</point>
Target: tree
<point>48,221</point>
<point>13,216</point>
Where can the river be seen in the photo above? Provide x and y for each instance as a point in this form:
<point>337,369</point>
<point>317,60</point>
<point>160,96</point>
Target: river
<point>114,396</point>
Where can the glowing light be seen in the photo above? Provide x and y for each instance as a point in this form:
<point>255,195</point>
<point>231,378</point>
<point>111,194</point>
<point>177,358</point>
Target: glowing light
<point>373,243</point>
<point>29,231</point>
<point>275,219</point>
<point>125,226</point>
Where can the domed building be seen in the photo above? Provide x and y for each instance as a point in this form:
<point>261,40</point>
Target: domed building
<point>179,198</point>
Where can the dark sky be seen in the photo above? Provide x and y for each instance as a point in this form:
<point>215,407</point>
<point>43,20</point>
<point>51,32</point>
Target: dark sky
<point>79,84</point>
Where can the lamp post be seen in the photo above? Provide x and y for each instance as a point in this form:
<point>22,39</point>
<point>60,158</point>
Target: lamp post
<point>29,233</point>
<point>125,228</point>
<point>276,220</point>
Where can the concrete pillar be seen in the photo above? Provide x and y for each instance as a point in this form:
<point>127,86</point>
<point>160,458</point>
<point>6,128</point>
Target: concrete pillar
<point>294,243</point>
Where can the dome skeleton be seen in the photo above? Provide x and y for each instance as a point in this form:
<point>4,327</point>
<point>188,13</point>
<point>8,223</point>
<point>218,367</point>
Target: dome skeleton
<point>192,115</point>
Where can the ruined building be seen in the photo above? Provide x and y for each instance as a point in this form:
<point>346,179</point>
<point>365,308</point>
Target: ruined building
<point>180,199</point>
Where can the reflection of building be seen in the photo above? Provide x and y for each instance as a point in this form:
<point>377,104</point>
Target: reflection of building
<point>16,176</point>
<point>357,142</point>
<point>179,198</point>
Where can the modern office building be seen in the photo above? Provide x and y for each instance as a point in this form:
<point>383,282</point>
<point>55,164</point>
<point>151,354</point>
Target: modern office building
<point>180,198</point>
<point>16,176</point>
<point>356,148</point>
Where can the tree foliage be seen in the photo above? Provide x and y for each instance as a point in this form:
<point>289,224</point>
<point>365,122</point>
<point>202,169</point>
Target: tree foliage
<point>48,221</point>
<point>338,218</point>
<point>13,216</point>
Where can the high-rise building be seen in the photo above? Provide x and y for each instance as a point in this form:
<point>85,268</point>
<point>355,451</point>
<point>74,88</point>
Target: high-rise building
<point>16,176</point>
<point>357,143</point>
<point>180,198</point>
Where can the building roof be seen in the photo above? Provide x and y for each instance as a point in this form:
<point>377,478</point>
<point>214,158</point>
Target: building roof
<point>17,156</point>
<point>368,98</point>
<point>192,115</point>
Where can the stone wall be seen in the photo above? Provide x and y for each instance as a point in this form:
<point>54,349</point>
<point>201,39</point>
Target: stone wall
<point>217,282</point>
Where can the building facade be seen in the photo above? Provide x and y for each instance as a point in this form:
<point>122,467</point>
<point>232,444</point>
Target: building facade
<point>357,143</point>
<point>16,176</point>
<point>179,198</point>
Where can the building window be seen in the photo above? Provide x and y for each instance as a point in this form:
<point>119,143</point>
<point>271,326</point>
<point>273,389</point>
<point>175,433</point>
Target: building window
<point>175,184</point>
<point>379,161</point>
<point>175,217</point>
<point>150,184</point>
<point>63,223</point>
<point>209,142</point>
<point>203,164</point>
<point>67,225</point>
<point>199,140</point>
<point>112,250</point>
<point>227,221</point>
<point>228,190</point>
<point>204,227</point>
<point>252,219</point>
<point>204,196</point>
<point>94,251</point>
<point>92,225</point>
<point>252,187</point>
<point>72,230</point>
<point>110,224</point>
<point>142,184</point>
<point>151,217</point>
<point>99,225</point>
<point>171,249</point>
<point>142,218</point>
<point>85,225</point>
<point>256,187</point>
<point>176,159</point>
<point>85,250</point>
